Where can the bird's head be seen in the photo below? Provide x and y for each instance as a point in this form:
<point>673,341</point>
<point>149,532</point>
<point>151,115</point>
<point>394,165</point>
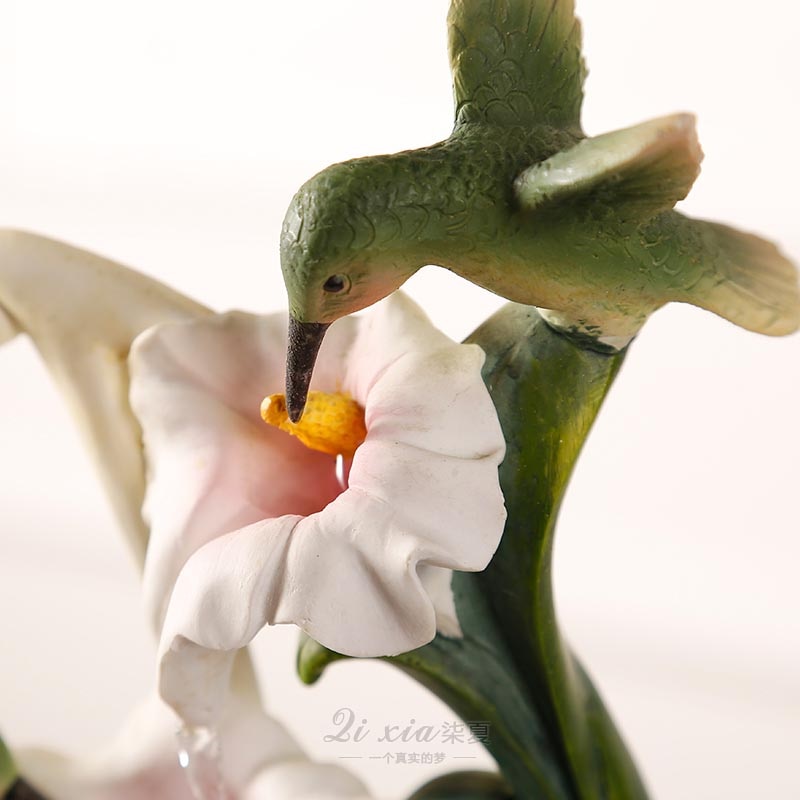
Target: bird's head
<point>335,261</point>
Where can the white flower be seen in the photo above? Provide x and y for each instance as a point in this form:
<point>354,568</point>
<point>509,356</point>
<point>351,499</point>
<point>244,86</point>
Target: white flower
<point>256,759</point>
<point>247,525</point>
<point>287,543</point>
<point>83,312</point>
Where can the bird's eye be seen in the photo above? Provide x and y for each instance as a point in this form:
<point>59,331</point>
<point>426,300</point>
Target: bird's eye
<point>336,284</point>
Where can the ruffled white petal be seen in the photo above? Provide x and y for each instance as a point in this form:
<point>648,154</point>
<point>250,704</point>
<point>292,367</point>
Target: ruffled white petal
<point>347,577</point>
<point>432,400</point>
<point>390,330</point>
<point>437,583</point>
<point>83,312</point>
<point>239,579</point>
<point>452,507</point>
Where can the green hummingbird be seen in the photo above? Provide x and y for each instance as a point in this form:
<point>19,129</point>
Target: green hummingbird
<point>520,202</point>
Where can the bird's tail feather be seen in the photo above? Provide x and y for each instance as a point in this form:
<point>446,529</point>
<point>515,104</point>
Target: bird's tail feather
<point>756,286</point>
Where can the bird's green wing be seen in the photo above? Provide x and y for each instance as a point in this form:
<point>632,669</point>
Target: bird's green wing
<point>737,275</point>
<point>517,62</point>
<point>638,172</point>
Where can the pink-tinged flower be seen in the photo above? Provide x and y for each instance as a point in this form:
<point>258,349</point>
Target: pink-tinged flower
<point>254,758</point>
<point>83,313</point>
<point>242,524</point>
<point>253,528</point>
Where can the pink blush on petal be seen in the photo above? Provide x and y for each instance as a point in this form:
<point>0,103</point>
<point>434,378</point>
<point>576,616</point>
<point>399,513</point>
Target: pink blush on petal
<point>160,782</point>
<point>293,479</point>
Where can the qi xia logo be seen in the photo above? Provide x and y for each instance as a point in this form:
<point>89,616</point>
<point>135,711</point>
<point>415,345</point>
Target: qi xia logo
<point>347,727</point>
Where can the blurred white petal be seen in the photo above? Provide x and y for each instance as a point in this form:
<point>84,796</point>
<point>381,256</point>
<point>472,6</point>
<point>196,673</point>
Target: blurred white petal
<point>83,312</point>
<point>258,759</point>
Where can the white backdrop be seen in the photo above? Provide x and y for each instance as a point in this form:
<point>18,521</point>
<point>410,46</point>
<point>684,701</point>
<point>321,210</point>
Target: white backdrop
<point>171,135</point>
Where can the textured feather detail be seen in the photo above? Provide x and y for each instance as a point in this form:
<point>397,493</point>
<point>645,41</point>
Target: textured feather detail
<point>516,62</point>
<point>640,171</point>
<point>755,285</point>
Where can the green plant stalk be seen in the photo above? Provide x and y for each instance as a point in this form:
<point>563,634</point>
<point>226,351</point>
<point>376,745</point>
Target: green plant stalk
<point>548,392</point>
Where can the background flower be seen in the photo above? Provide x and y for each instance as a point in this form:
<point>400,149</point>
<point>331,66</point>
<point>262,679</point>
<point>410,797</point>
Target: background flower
<point>83,312</point>
<point>258,760</point>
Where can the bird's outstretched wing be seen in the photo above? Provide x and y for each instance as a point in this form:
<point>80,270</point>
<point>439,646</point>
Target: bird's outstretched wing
<point>517,62</point>
<point>636,175</point>
<point>639,171</point>
<point>746,279</point>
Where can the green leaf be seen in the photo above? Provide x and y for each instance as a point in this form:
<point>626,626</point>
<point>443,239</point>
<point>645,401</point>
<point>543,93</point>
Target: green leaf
<point>8,770</point>
<point>313,658</point>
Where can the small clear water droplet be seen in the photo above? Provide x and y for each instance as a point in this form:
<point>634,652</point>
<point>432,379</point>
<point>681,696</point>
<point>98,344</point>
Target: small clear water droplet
<point>340,471</point>
<point>200,756</point>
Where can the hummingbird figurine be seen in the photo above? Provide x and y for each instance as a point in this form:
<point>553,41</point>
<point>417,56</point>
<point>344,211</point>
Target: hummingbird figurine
<point>519,201</point>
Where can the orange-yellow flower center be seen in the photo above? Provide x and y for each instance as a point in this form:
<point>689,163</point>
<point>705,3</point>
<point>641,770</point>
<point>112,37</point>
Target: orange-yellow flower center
<point>331,423</point>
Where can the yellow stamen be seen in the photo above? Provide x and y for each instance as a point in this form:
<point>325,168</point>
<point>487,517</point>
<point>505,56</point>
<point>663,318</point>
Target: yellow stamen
<point>331,423</point>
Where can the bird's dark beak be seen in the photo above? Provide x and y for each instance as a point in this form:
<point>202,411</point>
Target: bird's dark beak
<point>305,339</point>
